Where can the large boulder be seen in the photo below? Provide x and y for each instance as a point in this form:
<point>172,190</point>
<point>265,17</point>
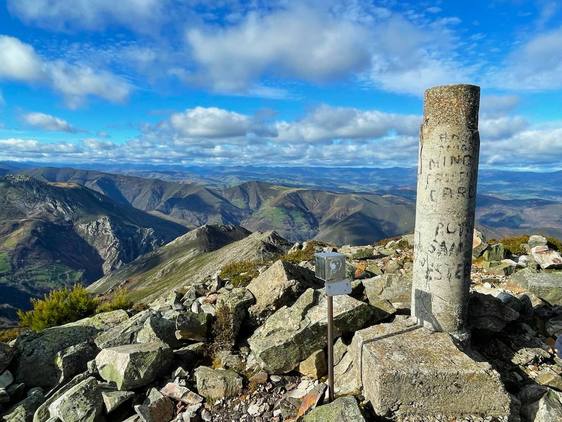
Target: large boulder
<point>291,334</point>
<point>6,355</point>
<point>74,359</point>
<point>547,409</point>
<point>215,384</point>
<point>486,312</point>
<point>156,408</point>
<point>134,365</point>
<point>341,409</point>
<point>160,327</point>
<point>24,410</point>
<point>192,326</point>
<point>81,403</point>
<point>232,311</point>
<point>545,284</point>
<point>42,412</point>
<point>280,285</point>
<point>124,333</point>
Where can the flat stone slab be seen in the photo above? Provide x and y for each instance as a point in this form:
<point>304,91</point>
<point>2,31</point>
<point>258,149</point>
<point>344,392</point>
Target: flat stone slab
<point>407,370</point>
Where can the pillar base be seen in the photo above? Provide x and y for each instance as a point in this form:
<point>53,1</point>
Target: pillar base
<point>406,370</point>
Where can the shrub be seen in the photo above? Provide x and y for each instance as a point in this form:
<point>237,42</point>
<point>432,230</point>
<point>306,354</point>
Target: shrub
<point>513,244</point>
<point>364,253</point>
<point>554,243</point>
<point>224,337</point>
<point>8,334</point>
<point>119,300</point>
<point>240,273</point>
<point>59,307</point>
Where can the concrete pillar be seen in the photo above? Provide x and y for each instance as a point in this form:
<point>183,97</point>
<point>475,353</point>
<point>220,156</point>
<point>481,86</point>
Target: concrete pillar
<point>446,194</point>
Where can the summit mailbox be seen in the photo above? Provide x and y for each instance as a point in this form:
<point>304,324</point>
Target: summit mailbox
<point>330,267</point>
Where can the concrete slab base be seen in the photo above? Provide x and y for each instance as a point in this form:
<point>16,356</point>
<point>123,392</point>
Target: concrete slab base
<point>408,370</point>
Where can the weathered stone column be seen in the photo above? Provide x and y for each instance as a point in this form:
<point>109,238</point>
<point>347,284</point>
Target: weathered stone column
<point>446,194</point>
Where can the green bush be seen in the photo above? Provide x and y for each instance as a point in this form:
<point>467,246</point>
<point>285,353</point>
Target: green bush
<point>305,254</point>
<point>59,307</point>
<point>513,244</point>
<point>119,300</point>
<point>554,243</point>
<point>240,273</point>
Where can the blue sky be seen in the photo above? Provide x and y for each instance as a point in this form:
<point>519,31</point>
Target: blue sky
<point>278,82</point>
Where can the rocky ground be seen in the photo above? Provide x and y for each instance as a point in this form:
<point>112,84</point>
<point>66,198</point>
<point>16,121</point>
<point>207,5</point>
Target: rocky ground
<point>214,352</point>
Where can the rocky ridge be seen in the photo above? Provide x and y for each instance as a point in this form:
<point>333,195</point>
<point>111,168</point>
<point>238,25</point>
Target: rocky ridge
<point>208,350</point>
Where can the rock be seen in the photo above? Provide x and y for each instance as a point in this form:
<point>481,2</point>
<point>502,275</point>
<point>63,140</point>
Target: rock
<point>42,412</point>
<point>156,408</point>
<point>281,284</point>
<point>24,410</point>
<point>485,312</point>
<point>345,376</point>
<point>546,258</point>
<point>312,399</point>
<point>554,326</point>
<point>6,355</point>
<point>191,354</point>
<point>214,384</point>
<point>505,267</point>
<point>408,370</point>
<point>340,349</point>
<point>479,244</point>
<point>391,266</point>
<point>233,306</point>
<point>342,409</point>
<point>135,365</point>
<point>314,366</point>
<point>6,379</point>
<point>4,396</point>
<point>547,409</point>
<point>549,378</point>
<point>37,351</point>
<point>546,285</point>
<point>74,359</point>
<point>160,327</point>
<point>180,393</point>
<point>259,378</point>
<point>495,252</point>
<point>192,326</point>
<point>291,334</point>
<point>537,240</point>
<point>81,403</point>
<point>113,399</point>
<point>124,333</point>
<point>396,288</point>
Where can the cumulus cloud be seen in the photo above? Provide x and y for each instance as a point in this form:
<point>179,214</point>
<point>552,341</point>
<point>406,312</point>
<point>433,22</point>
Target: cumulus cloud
<point>94,15</point>
<point>535,65</point>
<point>20,62</point>
<point>300,42</point>
<point>497,105</point>
<point>327,123</point>
<point>210,122</point>
<point>47,122</point>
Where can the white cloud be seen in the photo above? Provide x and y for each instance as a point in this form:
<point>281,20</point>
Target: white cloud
<point>48,122</point>
<point>497,105</point>
<point>502,127</point>
<point>300,42</point>
<point>536,65</point>
<point>20,62</point>
<point>210,123</point>
<point>139,15</point>
<point>328,123</point>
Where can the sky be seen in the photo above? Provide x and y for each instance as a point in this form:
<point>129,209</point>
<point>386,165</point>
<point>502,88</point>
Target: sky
<point>300,83</point>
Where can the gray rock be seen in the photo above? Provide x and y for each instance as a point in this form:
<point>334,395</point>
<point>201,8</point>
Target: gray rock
<point>291,334</point>
<point>495,252</point>
<point>113,399</point>
<point>6,355</point>
<point>191,354</point>
<point>156,408</point>
<point>160,327</point>
<point>214,384</point>
<point>486,312</point>
<point>547,409</point>
<point>546,258</point>
<point>281,284</point>
<point>134,365</point>
<point>554,326</point>
<point>345,376</point>
<point>6,379</point>
<point>74,359</point>
<point>42,412</point>
<point>342,409</point>
<point>81,403</point>
<point>192,326</point>
<point>24,410</point>
<point>235,304</point>
<point>396,288</point>
<point>546,285</point>
<point>314,366</point>
<point>124,333</point>
<point>181,394</point>
<point>479,244</point>
<point>4,396</point>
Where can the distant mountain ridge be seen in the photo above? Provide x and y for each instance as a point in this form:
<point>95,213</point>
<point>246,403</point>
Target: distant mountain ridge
<point>55,234</point>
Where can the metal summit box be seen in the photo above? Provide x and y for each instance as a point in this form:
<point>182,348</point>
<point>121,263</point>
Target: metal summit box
<point>330,266</point>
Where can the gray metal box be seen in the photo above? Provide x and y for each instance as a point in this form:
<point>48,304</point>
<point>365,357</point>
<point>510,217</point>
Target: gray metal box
<point>330,266</point>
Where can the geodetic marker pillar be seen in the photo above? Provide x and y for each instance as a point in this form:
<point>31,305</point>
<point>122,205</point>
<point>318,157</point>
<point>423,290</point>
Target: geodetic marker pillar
<point>446,195</point>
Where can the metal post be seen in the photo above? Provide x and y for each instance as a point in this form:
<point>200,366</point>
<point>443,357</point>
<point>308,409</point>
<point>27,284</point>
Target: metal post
<point>330,348</point>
